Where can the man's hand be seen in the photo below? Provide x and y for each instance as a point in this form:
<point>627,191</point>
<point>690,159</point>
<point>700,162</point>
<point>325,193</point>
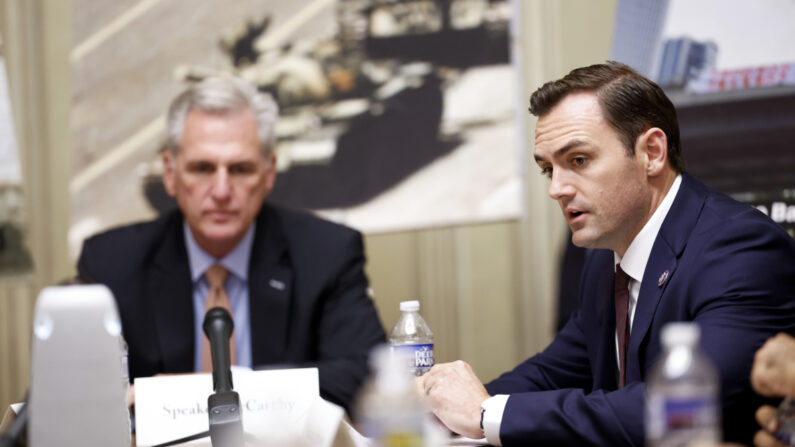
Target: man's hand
<point>766,416</point>
<point>773,373</point>
<point>454,393</point>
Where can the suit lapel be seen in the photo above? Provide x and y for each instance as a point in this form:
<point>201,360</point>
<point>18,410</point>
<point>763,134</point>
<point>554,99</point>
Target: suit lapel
<point>270,289</point>
<point>662,259</point>
<point>661,267</point>
<point>170,297</point>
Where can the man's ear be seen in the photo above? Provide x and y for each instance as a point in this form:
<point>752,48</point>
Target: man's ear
<point>654,144</point>
<point>169,168</point>
<point>270,171</point>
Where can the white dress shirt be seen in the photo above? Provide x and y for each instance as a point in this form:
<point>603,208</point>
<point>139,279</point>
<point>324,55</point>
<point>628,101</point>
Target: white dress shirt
<point>633,263</point>
<point>637,255</point>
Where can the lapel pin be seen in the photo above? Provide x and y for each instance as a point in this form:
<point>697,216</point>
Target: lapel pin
<point>662,279</point>
<point>276,284</point>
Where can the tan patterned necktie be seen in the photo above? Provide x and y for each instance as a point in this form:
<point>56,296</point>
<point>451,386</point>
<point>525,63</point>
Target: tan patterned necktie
<point>217,297</point>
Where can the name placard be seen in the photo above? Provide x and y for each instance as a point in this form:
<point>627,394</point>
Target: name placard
<point>274,402</point>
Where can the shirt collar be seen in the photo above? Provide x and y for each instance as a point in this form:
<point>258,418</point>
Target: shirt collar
<point>236,261</point>
<point>637,255</point>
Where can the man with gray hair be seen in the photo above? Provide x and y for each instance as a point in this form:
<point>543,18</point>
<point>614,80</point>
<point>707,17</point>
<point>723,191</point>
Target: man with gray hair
<point>294,283</point>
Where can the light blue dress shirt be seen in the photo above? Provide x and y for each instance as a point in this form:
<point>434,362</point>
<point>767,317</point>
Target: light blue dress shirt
<point>236,287</point>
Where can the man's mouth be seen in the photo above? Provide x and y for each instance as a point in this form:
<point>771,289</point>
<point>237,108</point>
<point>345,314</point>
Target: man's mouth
<point>573,215</point>
<point>219,214</point>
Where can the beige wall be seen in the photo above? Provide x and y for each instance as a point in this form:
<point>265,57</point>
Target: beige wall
<point>488,291</point>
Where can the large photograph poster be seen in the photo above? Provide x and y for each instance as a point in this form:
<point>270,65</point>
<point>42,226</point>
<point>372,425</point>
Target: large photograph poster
<point>394,114</point>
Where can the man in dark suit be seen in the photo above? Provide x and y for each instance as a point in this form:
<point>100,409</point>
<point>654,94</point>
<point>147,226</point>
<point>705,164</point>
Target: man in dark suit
<point>294,284</point>
<point>608,140</point>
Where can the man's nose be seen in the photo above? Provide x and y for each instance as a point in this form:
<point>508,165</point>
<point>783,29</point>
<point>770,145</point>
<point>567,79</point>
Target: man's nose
<point>560,186</point>
<point>221,186</point>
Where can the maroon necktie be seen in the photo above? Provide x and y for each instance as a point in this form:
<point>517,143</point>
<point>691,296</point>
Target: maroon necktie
<point>622,323</point>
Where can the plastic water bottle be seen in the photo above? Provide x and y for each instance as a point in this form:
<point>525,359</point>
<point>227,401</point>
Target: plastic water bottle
<point>388,410</point>
<point>682,392</point>
<point>412,337</point>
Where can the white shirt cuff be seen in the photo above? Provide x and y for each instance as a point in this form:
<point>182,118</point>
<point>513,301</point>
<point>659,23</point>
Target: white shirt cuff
<point>494,406</point>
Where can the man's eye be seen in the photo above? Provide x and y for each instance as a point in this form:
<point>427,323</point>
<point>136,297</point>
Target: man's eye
<point>579,161</point>
<point>201,168</point>
<point>546,172</point>
<point>241,169</point>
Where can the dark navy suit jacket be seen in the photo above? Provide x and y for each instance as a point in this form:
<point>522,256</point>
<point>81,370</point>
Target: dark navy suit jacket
<point>730,269</point>
<point>319,315</point>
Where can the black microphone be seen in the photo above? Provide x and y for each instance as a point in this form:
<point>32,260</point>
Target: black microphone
<point>218,326</point>
<point>223,406</point>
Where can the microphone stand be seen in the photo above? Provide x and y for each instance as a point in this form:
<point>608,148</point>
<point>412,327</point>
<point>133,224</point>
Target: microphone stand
<point>223,406</point>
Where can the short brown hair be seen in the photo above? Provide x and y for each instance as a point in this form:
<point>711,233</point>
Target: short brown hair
<point>630,102</point>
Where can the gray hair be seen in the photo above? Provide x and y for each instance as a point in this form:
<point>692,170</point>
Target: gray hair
<point>222,95</point>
